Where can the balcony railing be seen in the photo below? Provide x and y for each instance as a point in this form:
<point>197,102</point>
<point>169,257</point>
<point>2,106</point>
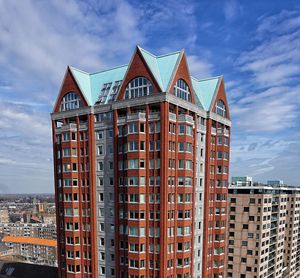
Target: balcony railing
<point>172,117</point>
<point>186,118</point>
<point>132,117</point>
<point>154,116</point>
<point>69,126</point>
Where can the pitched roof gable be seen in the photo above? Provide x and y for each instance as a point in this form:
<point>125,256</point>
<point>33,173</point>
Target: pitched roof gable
<point>161,66</point>
<point>83,81</point>
<point>205,90</point>
<point>91,84</point>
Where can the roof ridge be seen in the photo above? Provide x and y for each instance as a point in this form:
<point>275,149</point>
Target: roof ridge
<point>156,72</point>
<point>113,68</point>
<point>205,79</point>
<point>169,54</point>
<point>162,55</point>
<point>154,56</point>
<point>82,71</point>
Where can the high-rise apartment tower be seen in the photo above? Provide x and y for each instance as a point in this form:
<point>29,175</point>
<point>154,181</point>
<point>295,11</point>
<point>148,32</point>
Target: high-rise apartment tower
<point>141,158</point>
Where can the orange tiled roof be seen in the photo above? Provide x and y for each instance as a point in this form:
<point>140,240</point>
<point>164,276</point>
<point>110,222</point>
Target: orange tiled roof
<point>30,240</point>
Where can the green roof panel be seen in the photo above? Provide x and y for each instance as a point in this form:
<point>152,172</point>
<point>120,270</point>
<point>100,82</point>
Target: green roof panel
<point>166,65</point>
<point>83,81</point>
<point>151,61</point>
<point>91,84</point>
<point>109,76</point>
<point>205,90</point>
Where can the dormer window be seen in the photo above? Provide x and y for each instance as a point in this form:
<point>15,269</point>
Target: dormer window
<point>181,90</point>
<point>221,108</point>
<point>138,87</point>
<point>70,101</point>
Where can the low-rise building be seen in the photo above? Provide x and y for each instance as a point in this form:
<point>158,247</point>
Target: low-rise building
<point>31,249</point>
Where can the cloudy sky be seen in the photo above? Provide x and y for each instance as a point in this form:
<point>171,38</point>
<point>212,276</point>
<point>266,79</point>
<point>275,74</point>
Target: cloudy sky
<point>254,44</point>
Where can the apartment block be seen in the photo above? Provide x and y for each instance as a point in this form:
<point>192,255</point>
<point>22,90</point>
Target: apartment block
<point>47,231</point>
<point>263,230</point>
<point>31,249</point>
<point>141,162</point>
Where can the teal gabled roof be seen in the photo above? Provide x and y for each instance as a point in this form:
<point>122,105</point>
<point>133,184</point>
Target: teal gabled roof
<point>205,90</point>
<point>162,67</point>
<point>91,84</point>
<point>100,78</point>
<point>84,83</point>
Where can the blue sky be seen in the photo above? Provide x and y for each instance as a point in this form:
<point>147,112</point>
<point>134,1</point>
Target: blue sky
<point>254,44</point>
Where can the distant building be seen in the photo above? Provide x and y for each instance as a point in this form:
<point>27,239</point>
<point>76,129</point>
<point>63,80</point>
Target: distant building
<point>275,182</point>
<point>31,249</point>
<point>263,230</point>
<point>35,219</point>
<point>48,218</point>
<point>5,252</point>
<point>4,216</point>
<point>28,230</point>
<point>241,181</point>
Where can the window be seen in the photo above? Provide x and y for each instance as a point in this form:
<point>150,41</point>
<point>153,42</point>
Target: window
<point>114,90</point>
<point>189,147</point>
<point>104,92</point>
<point>133,164</point>
<point>181,129</point>
<point>181,90</point>
<point>133,128</point>
<point>70,101</point>
<point>180,164</point>
<point>188,164</point>
<point>189,130</point>
<point>220,108</point>
<point>181,147</point>
<point>133,146</point>
<point>138,87</point>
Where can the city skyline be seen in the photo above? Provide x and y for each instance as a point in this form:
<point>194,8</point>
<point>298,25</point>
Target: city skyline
<point>259,63</point>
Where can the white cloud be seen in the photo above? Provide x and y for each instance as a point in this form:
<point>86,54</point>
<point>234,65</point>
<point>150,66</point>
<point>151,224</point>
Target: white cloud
<point>266,112</point>
<point>259,156</point>
<point>270,102</point>
<point>199,68</point>
<point>231,9</point>
<point>25,148</point>
<point>265,102</point>
<point>47,36</point>
<point>38,40</point>
<point>284,21</point>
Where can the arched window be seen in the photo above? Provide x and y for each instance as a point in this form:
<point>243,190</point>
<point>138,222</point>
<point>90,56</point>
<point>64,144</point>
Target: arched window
<point>70,101</point>
<point>181,89</point>
<point>138,87</point>
<point>220,108</point>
